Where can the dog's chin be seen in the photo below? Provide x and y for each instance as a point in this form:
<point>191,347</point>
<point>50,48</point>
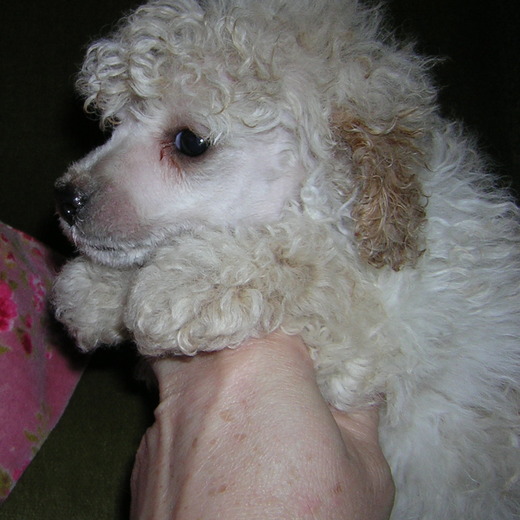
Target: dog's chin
<point>107,251</point>
<point>120,257</point>
<point>117,255</point>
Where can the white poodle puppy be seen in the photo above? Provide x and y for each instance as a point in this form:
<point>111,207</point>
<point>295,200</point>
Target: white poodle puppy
<point>282,164</point>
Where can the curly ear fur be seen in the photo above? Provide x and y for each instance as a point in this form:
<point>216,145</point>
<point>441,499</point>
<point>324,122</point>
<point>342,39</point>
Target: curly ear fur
<point>389,207</point>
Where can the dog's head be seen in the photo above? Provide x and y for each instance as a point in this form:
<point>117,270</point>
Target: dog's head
<point>224,112</point>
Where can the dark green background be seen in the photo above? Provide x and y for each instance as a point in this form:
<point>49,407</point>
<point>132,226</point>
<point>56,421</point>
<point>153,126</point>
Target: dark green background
<point>82,471</point>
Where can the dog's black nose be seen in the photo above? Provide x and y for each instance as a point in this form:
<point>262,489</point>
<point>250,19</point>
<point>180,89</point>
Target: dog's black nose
<point>69,202</point>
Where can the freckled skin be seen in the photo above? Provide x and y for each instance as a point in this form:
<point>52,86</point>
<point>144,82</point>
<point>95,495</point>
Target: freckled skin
<point>225,446</point>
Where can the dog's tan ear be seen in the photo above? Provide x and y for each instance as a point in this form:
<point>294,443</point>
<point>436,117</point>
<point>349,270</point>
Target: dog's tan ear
<point>389,207</point>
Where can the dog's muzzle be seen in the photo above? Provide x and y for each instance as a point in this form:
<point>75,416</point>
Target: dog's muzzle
<point>69,202</point>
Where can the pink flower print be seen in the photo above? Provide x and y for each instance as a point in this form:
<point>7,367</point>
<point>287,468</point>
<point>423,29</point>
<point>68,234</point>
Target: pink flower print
<point>27,237</point>
<point>29,321</point>
<point>8,309</point>
<point>27,344</point>
<point>36,251</point>
<point>17,473</point>
<point>38,292</point>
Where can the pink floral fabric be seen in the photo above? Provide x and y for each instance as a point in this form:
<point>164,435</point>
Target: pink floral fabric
<point>36,376</point>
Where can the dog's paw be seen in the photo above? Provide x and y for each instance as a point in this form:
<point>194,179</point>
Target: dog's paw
<point>184,302</point>
<point>212,290</point>
<point>88,299</point>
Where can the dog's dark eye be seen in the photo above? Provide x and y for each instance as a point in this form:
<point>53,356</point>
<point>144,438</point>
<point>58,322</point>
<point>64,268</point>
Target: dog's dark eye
<point>190,144</point>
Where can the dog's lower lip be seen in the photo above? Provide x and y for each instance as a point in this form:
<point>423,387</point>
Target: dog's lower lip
<point>106,248</point>
<point>85,244</point>
<point>114,255</point>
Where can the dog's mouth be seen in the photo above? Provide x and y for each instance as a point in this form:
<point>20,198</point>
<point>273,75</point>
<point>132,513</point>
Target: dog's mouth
<point>115,255</point>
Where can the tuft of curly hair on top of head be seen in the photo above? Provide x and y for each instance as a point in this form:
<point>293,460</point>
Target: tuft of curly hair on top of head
<point>257,43</point>
<point>129,69</point>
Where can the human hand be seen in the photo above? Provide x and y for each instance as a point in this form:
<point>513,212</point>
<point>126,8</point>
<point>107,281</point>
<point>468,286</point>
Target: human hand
<point>245,434</point>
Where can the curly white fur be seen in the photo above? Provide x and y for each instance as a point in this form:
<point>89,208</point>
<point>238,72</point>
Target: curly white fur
<point>332,202</point>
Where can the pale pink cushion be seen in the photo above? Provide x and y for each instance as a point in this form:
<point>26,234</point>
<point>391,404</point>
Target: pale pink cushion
<point>37,377</point>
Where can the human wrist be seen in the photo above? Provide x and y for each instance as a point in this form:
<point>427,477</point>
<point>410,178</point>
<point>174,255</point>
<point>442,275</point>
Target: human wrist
<point>246,433</point>
<point>209,374</point>
<point>233,421</point>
